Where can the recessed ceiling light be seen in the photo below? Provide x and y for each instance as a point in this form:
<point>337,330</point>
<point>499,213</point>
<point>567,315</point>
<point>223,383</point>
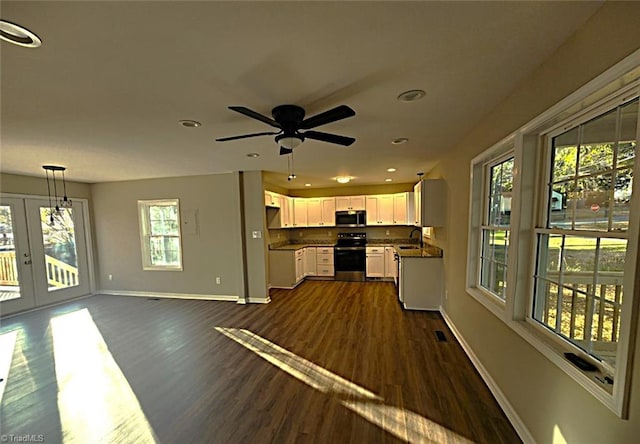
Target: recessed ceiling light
<point>391,170</point>
<point>343,179</point>
<point>189,123</point>
<point>307,184</point>
<point>254,155</point>
<point>388,180</point>
<point>412,95</point>
<point>18,35</point>
<point>399,141</point>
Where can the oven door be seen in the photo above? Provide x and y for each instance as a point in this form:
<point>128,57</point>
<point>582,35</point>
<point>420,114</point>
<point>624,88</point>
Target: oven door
<point>349,258</point>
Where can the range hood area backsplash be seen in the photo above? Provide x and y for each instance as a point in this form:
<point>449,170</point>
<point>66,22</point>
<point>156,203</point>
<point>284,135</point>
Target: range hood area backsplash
<point>328,235</point>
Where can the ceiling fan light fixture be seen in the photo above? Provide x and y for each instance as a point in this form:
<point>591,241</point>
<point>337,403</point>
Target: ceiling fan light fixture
<point>289,142</point>
<point>18,35</point>
<point>411,95</point>
<point>343,179</point>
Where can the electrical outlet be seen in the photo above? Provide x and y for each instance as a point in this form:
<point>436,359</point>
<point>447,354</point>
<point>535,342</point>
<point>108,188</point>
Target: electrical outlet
<point>301,234</point>
<point>278,236</point>
<point>110,277</point>
<point>388,232</point>
<point>218,280</point>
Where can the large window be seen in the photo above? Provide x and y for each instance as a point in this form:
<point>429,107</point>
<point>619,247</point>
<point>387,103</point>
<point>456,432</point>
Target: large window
<point>579,278</point>
<point>554,227</point>
<point>160,234</point>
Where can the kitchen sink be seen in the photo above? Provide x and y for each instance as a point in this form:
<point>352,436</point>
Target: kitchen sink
<point>409,247</point>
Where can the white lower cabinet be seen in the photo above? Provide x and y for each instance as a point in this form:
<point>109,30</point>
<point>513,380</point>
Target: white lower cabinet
<point>420,284</point>
<point>375,262</point>
<point>390,267</point>
<point>310,261</point>
<point>324,261</point>
<point>286,268</point>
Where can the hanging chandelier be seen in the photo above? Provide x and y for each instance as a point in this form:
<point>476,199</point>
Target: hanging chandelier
<point>63,202</point>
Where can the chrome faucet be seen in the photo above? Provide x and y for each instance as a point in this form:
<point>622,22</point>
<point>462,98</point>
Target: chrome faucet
<point>419,230</point>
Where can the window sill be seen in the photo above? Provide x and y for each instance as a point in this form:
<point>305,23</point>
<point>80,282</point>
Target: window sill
<point>555,353</point>
<point>489,301</point>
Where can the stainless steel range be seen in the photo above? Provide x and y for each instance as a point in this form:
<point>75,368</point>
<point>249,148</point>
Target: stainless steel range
<point>349,257</point>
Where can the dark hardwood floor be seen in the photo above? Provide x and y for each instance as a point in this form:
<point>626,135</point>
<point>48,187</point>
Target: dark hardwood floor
<point>328,362</point>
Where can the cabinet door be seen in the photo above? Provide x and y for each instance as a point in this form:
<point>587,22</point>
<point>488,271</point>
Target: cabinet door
<point>314,213</point>
<point>328,211</point>
<point>299,265</point>
<point>357,203</point>
<point>400,209</point>
<point>375,265</point>
<point>372,210</point>
<point>385,209</point>
<point>286,212</point>
<point>389,262</point>
<point>343,203</point>
<point>310,261</point>
<point>299,212</point>
<point>417,203</point>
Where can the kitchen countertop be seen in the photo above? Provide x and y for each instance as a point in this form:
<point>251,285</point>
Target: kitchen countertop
<point>428,251</point>
<point>299,246</point>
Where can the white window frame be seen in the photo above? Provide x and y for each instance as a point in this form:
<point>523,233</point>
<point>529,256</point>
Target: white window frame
<point>145,233</point>
<point>479,192</point>
<point>528,209</point>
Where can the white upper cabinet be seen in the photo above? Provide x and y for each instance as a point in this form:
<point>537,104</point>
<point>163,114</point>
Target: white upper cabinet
<point>430,198</point>
<point>272,199</point>
<point>403,211</point>
<point>346,203</point>
<point>380,209</point>
<point>299,212</point>
<point>286,211</point>
<point>321,212</point>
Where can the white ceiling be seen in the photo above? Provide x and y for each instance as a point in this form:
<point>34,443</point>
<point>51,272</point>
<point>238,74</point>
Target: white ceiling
<point>104,93</point>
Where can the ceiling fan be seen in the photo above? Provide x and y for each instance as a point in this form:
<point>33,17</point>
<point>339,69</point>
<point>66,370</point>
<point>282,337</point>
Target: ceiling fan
<point>289,119</point>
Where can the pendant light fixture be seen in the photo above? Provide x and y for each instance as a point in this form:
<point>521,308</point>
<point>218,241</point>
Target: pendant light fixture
<point>64,202</point>
<point>292,175</point>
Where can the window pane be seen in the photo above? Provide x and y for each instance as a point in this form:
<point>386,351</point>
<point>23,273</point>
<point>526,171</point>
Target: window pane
<point>622,199</point>
<point>161,233</point>
<point>59,240</point>
<point>565,155</point>
<point>501,188</point>
<point>590,272</point>
<point>493,261</point>
<point>592,206</point>
<point>561,205</point>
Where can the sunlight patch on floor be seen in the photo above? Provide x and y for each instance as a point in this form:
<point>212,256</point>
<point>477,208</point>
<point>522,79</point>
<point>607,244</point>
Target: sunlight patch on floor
<point>402,423</point>
<point>95,400</point>
<point>7,346</point>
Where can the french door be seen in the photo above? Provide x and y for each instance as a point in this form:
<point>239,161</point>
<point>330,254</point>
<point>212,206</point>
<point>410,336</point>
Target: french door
<point>43,253</point>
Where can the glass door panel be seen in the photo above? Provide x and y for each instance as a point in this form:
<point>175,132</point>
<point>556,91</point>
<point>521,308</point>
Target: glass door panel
<point>59,251</point>
<point>59,240</point>
<point>16,281</point>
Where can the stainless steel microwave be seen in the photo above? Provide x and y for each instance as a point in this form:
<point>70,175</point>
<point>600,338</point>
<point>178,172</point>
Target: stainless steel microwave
<point>352,218</point>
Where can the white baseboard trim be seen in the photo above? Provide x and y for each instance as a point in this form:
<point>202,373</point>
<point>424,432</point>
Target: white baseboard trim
<point>154,294</point>
<point>508,409</point>
<point>265,300</point>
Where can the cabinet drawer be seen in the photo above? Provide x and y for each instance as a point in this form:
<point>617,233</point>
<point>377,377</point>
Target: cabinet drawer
<point>375,250</point>
<point>325,250</point>
<point>324,270</point>
<point>324,259</point>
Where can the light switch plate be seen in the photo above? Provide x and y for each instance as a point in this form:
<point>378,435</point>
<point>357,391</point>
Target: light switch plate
<point>256,234</point>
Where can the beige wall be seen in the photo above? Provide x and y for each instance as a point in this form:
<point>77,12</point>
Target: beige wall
<point>37,186</point>
<point>545,398</point>
<point>216,249</point>
<point>256,254</point>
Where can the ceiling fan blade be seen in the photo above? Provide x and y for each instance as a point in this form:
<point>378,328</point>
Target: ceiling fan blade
<point>332,115</point>
<point>284,151</point>
<point>331,138</point>
<point>254,115</point>
<point>244,136</point>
